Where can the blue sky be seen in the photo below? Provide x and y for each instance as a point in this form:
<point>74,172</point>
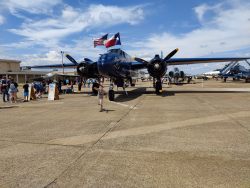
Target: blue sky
<point>35,32</point>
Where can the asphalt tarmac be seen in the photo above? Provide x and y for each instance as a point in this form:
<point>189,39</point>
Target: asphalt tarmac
<point>189,136</point>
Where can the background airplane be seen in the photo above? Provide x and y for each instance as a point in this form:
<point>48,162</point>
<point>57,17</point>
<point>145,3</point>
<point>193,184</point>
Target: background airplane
<point>52,75</point>
<point>238,72</point>
<point>121,68</point>
<point>178,75</point>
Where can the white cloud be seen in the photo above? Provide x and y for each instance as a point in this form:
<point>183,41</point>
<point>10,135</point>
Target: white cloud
<point>1,19</point>
<point>106,16</point>
<point>48,32</point>
<point>33,7</point>
<point>228,27</point>
<point>69,14</point>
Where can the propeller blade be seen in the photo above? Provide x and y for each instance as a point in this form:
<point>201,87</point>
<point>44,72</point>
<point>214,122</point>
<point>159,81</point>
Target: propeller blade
<point>170,55</point>
<point>71,59</point>
<point>140,60</point>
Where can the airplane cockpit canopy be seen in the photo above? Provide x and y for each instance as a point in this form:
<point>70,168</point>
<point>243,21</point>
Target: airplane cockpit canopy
<point>116,51</point>
<point>122,53</point>
<point>176,69</point>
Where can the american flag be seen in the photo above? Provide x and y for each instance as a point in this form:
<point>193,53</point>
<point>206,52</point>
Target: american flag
<point>99,41</point>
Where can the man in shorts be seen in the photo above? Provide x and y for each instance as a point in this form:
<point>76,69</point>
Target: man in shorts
<point>26,91</point>
<point>101,93</point>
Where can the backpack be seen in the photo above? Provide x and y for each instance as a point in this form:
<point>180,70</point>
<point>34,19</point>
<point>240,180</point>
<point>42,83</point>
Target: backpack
<point>12,86</point>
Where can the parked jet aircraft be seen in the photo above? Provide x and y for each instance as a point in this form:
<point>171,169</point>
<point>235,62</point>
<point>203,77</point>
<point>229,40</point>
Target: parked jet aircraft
<point>176,74</point>
<point>120,67</point>
<point>238,71</point>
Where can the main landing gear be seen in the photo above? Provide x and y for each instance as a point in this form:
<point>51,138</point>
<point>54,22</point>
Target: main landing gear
<point>111,91</point>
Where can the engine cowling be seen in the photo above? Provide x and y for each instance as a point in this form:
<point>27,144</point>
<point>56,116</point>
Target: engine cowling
<point>82,69</point>
<point>182,74</point>
<point>157,69</point>
<point>85,69</point>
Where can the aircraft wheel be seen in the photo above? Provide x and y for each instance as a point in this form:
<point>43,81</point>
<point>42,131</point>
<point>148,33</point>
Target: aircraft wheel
<point>111,95</point>
<point>95,85</point>
<point>225,79</point>
<point>158,88</point>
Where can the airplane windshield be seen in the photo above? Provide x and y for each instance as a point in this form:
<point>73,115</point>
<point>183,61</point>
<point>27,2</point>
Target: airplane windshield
<point>117,51</point>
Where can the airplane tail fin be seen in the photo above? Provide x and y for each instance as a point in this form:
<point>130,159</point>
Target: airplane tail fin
<point>227,68</point>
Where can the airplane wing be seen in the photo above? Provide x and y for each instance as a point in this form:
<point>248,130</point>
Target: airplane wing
<point>242,75</point>
<point>138,65</point>
<point>68,75</point>
<point>68,65</point>
<point>186,61</point>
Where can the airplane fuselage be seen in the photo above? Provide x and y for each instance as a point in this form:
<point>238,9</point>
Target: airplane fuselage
<point>115,65</point>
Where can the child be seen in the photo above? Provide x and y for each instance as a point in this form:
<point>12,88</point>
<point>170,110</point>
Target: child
<point>26,92</point>
<point>101,93</point>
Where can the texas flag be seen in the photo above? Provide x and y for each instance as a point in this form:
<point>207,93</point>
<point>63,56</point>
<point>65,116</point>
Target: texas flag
<point>115,40</point>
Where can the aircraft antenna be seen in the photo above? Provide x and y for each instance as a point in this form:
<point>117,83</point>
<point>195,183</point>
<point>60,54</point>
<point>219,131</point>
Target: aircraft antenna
<point>161,54</point>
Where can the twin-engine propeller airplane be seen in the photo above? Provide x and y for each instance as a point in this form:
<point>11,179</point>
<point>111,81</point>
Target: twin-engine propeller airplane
<point>121,68</point>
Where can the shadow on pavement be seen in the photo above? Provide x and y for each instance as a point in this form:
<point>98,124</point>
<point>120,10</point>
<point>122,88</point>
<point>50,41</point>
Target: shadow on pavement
<point>9,107</point>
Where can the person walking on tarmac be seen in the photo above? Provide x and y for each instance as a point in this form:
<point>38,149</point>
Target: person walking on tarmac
<point>59,85</point>
<point>13,90</point>
<point>26,92</point>
<point>88,82</point>
<point>67,82</point>
<point>100,96</point>
<point>4,89</point>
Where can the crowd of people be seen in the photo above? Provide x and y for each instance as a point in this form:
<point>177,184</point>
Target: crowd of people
<point>9,88</point>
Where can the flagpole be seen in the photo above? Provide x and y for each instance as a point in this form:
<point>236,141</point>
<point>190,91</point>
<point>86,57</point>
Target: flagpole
<point>120,40</point>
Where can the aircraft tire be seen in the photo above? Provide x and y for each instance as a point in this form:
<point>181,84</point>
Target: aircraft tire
<point>95,85</point>
<point>111,95</point>
<point>158,87</point>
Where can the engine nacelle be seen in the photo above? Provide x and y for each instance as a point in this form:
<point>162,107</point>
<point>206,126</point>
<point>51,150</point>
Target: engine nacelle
<point>157,69</point>
<point>171,74</point>
<point>182,74</point>
<point>84,70</point>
